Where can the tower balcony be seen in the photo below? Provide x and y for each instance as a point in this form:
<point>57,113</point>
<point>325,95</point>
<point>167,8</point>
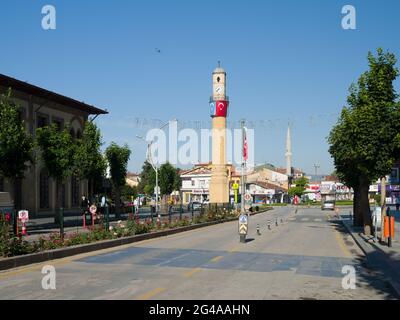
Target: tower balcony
<point>226,98</point>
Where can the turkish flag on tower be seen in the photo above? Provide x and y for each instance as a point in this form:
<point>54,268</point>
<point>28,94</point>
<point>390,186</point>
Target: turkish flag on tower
<point>221,108</point>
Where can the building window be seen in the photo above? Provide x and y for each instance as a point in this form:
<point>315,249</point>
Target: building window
<point>59,123</point>
<point>72,133</point>
<point>44,202</point>
<point>79,134</point>
<point>193,183</point>
<point>75,191</point>
<point>42,121</point>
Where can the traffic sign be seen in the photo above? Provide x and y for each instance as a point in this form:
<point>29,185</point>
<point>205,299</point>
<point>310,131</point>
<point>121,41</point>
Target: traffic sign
<point>243,229</point>
<point>93,209</point>
<point>243,219</point>
<point>243,224</point>
<point>247,197</point>
<point>23,215</point>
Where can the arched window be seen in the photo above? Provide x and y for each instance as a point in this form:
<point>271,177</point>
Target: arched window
<point>72,133</point>
<point>44,199</point>
<point>79,134</point>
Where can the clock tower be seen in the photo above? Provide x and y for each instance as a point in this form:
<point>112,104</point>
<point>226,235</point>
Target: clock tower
<point>219,102</point>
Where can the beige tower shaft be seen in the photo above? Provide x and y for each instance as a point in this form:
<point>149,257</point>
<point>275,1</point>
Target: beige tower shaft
<point>219,187</point>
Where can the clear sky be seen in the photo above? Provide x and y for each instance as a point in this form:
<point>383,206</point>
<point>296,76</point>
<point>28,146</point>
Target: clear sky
<point>286,61</point>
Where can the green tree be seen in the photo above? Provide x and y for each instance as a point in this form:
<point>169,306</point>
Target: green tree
<point>89,161</point>
<point>147,179</point>
<point>57,152</point>
<point>169,179</point>
<point>127,192</point>
<point>16,145</point>
<point>364,143</point>
<point>301,185</point>
<point>118,158</point>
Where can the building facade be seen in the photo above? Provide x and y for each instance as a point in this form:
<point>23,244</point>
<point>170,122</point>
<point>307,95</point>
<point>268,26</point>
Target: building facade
<point>196,182</point>
<point>40,107</point>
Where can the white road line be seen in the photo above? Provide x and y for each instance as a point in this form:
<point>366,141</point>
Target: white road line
<point>305,219</point>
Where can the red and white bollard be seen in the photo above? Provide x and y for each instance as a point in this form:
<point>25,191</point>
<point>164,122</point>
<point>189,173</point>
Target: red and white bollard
<point>23,229</point>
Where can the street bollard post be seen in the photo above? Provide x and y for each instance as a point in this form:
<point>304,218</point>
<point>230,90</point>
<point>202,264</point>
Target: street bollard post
<point>258,230</point>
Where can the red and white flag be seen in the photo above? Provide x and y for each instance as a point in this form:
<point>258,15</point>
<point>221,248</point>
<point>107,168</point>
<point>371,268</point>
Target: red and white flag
<point>245,153</point>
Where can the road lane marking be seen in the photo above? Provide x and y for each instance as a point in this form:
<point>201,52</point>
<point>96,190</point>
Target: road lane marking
<point>318,220</point>
<point>342,245</point>
<point>151,293</point>
<point>234,249</point>
<point>216,259</point>
<point>305,219</point>
<point>191,272</point>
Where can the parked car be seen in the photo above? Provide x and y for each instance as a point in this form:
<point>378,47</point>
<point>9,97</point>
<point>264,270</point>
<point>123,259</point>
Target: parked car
<point>328,205</point>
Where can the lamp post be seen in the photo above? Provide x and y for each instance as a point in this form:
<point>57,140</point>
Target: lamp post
<point>155,168</point>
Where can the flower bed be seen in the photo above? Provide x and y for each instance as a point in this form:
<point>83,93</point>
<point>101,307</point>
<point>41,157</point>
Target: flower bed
<point>13,246</point>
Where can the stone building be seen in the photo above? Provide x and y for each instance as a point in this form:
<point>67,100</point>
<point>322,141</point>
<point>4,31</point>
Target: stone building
<point>41,107</point>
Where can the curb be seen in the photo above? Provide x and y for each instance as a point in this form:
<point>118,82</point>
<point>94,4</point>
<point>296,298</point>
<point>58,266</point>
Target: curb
<point>23,260</point>
<point>365,247</point>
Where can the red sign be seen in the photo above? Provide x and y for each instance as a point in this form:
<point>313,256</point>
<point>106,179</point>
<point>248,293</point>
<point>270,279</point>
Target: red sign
<point>221,108</point>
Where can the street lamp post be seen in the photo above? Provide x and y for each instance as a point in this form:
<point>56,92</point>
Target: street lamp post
<point>155,168</point>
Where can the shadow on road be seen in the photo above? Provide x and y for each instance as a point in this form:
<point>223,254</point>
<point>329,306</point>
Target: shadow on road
<point>368,275</point>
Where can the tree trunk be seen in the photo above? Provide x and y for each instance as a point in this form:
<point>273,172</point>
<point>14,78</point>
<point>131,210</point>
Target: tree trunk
<point>91,187</point>
<point>58,201</point>
<point>364,207</point>
<point>358,219</point>
<point>117,202</point>
<point>17,186</point>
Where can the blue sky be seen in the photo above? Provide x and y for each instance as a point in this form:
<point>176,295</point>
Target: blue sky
<point>286,61</point>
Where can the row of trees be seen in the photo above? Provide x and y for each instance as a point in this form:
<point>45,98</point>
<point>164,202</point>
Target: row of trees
<point>169,179</point>
<point>61,154</point>
<point>365,142</point>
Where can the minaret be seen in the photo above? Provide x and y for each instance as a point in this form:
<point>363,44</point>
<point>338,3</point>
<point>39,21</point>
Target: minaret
<point>219,186</point>
<point>288,155</point>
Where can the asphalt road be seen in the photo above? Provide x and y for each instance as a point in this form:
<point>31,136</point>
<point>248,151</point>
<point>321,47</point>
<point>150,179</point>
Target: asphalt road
<point>301,258</point>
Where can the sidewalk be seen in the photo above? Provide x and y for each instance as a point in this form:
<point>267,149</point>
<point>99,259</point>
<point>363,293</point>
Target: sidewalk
<point>380,258</point>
